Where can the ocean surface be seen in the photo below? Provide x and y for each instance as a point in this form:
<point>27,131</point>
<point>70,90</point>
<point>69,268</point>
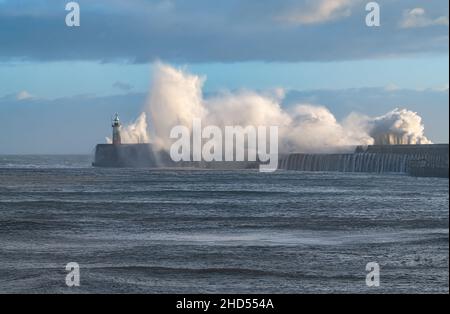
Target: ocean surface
<point>203,231</point>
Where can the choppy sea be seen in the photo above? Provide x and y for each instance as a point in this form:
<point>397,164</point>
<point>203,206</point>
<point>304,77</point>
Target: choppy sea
<point>209,231</point>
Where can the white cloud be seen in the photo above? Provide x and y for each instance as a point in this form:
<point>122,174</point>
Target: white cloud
<point>319,11</point>
<point>417,17</point>
<point>392,87</point>
<point>24,95</point>
<point>442,89</point>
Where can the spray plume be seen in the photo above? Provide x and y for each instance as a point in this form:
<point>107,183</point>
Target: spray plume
<point>176,98</point>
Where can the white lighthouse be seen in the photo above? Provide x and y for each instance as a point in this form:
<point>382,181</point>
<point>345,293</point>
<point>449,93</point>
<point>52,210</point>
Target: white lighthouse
<point>116,130</point>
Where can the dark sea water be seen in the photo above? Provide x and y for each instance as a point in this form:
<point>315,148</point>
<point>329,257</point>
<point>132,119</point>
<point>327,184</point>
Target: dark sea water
<point>193,231</point>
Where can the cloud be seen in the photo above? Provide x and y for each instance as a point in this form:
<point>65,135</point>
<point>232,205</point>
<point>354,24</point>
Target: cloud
<point>24,95</point>
<point>122,86</point>
<point>319,11</point>
<point>442,89</point>
<point>391,87</point>
<point>142,31</point>
<point>417,17</point>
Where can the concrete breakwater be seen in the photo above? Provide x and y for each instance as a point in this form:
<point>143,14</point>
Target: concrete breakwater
<point>128,155</point>
<point>377,158</point>
<point>147,156</point>
<point>358,162</point>
<point>418,160</point>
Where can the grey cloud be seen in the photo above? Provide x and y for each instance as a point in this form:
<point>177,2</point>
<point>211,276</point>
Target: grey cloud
<point>122,86</point>
<point>212,31</point>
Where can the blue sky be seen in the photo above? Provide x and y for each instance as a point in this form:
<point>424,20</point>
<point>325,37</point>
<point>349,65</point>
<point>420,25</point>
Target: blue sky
<point>306,47</point>
<point>62,78</point>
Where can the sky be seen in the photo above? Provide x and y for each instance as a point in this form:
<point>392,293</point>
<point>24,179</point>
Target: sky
<point>54,77</point>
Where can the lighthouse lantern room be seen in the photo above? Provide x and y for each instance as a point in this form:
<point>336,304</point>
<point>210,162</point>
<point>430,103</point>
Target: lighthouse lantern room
<point>116,130</point>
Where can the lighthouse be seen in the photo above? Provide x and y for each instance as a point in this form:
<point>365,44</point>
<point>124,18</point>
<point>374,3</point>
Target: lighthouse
<point>116,130</point>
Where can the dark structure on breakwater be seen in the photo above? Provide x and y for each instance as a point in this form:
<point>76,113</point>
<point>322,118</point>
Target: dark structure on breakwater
<point>420,160</point>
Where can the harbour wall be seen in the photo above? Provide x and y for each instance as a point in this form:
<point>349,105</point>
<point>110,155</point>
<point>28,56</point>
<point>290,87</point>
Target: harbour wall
<point>376,158</point>
<point>417,160</point>
<point>128,155</point>
<point>147,156</point>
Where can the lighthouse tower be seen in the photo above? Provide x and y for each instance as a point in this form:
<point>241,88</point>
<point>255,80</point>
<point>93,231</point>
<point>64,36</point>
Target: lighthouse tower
<point>116,130</point>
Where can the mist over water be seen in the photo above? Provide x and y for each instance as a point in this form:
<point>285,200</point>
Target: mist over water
<point>176,98</point>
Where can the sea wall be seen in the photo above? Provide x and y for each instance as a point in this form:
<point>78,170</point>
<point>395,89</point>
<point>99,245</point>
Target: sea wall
<point>377,158</point>
<point>128,155</point>
<point>418,160</point>
<point>426,149</point>
<point>146,156</point>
